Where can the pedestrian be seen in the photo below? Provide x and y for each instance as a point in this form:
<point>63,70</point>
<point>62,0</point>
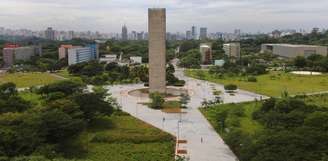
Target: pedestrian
<point>201,139</point>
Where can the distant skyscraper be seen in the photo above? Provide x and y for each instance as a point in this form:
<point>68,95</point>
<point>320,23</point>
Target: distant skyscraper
<point>134,35</point>
<point>203,33</point>
<point>140,36</point>
<point>50,33</point>
<point>188,35</point>
<point>124,33</point>
<point>237,34</point>
<point>194,32</point>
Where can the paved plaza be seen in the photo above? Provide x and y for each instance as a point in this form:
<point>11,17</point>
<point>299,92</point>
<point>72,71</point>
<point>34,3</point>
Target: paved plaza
<point>203,143</point>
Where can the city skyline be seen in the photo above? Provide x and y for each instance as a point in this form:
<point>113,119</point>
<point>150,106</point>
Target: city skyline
<point>102,16</point>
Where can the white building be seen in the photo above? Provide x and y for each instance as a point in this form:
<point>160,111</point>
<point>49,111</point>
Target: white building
<point>292,51</point>
<point>136,60</point>
<point>232,50</point>
<point>108,58</point>
<point>206,53</point>
<point>82,54</point>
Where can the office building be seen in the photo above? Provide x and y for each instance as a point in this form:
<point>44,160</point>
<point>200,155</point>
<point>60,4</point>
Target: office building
<point>194,32</point>
<point>12,54</point>
<point>206,53</point>
<point>83,54</point>
<point>232,50</point>
<point>292,51</point>
<point>124,33</point>
<point>157,49</point>
<point>63,51</point>
<point>203,33</point>
<point>50,34</point>
<point>188,35</point>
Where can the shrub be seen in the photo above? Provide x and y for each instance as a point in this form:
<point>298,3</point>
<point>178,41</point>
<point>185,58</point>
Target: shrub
<point>157,100</point>
<point>252,79</point>
<point>230,87</point>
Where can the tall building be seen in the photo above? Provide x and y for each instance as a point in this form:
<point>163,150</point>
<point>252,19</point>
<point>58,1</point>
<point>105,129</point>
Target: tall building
<point>206,53</point>
<point>50,34</point>
<point>203,33</point>
<point>124,33</point>
<point>237,34</point>
<point>232,50</point>
<point>188,35</point>
<point>157,49</point>
<point>11,54</point>
<point>194,32</point>
<point>83,54</point>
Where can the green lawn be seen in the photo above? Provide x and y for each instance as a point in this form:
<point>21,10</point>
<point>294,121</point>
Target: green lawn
<point>272,84</point>
<point>64,73</point>
<point>243,122</point>
<point>124,138</point>
<point>28,79</point>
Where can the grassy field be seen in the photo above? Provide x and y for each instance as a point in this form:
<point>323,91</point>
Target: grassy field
<point>64,73</point>
<point>28,79</point>
<point>234,118</point>
<point>124,138</point>
<point>272,84</point>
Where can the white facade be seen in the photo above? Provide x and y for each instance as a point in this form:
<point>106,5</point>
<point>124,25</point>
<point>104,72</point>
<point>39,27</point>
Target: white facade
<point>292,51</point>
<point>136,60</point>
<point>79,55</point>
<point>206,53</point>
<point>108,59</point>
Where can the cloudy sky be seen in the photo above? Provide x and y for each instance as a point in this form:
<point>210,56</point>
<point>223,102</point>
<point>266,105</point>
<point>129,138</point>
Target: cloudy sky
<point>217,15</point>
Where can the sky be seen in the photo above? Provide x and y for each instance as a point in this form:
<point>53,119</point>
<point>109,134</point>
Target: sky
<point>217,15</point>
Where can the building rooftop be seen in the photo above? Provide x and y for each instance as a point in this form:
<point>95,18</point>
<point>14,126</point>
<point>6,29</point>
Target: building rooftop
<point>293,45</point>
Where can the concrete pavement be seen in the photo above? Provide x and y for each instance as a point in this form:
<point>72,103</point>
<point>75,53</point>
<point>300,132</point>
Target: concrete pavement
<point>203,143</point>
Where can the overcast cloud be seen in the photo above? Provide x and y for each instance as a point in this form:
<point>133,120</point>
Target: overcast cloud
<point>217,15</point>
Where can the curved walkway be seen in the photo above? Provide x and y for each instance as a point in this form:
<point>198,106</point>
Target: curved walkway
<point>203,143</point>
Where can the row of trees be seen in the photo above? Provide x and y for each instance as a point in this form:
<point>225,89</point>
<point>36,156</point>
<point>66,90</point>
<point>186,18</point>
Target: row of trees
<point>50,128</point>
<point>313,63</point>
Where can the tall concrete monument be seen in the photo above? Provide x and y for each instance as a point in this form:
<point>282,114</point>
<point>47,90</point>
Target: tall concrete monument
<point>157,49</point>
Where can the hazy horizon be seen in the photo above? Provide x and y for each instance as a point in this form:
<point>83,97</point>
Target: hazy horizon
<point>217,15</point>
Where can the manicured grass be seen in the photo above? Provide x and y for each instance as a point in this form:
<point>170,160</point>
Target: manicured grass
<point>28,79</point>
<point>244,122</point>
<point>64,73</point>
<point>272,84</point>
<point>124,138</point>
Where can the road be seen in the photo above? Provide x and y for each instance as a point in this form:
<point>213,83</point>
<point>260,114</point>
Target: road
<point>203,143</point>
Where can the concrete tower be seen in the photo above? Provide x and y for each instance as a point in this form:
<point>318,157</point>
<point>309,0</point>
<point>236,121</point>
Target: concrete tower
<point>157,49</point>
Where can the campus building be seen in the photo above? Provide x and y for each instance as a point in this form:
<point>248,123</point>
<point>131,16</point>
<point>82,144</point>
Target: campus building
<point>232,50</point>
<point>292,51</point>
<point>203,33</point>
<point>157,49</point>
<point>82,54</point>
<point>108,58</point>
<point>63,51</point>
<point>206,53</point>
<point>12,54</point>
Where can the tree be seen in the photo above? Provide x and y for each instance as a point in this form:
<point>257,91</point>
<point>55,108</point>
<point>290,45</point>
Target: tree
<point>230,87</point>
<point>300,62</point>
<point>67,87</point>
<point>157,100</point>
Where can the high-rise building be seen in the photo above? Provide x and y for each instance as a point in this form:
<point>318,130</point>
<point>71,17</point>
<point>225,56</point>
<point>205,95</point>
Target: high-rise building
<point>11,54</point>
<point>206,53</point>
<point>83,54</point>
<point>237,34</point>
<point>157,49</point>
<point>140,36</point>
<point>50,34</point>
<point>188,35</point>
<point>134,35</point>
<point>194,32</point>
<point>232,50</point>
<point>203,33</point>
<point>124,33</point>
